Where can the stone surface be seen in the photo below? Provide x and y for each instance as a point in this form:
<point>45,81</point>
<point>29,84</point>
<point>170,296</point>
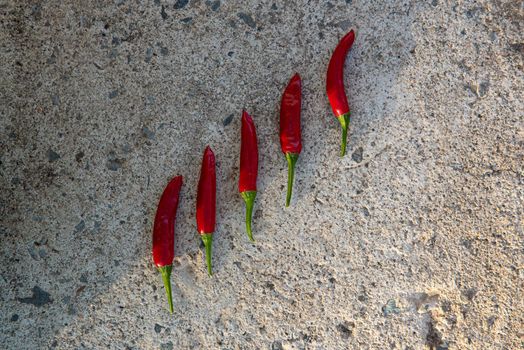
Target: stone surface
<point>103,101</point>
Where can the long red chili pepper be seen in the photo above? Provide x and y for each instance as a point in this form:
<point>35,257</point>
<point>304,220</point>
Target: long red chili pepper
<point>247,183</point>
<point>335,85</point>
<point>290,140</point>
<point>164,233</point>
<point>206,203</point>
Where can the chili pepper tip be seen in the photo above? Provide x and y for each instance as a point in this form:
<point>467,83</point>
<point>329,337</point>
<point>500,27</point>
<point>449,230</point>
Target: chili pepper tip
<point>344,122</point>
<point>207,238</point>
<point>291,161</point>
<point>166,277</point>
<point>249,198</point>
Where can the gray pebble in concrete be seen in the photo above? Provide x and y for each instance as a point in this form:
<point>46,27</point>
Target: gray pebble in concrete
<point>114,164</point>
<point>55,100</point>
<point>214,5</point>
<point>39,298</point>
<point>357,155</point>
<point>483,89</point>
<point>167,346</point>
<point>228,120</point>
<point>164,51</point>
<point>277,345</point>
<point>346,329</point>
<point>158,328</point>
<point>52,156</point>
<point>113,94</point>
<point>96,227</point>
<point>247,19</point>
<point>180,4</point>
<point>149,55</point>
<point>42,253</point>
<point>147,133</point>
<point>79,156</point>
<point>390,308</point>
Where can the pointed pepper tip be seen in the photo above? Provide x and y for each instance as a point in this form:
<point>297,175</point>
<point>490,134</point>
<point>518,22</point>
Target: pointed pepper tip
<point>208,153</point>
<point>246,116</point>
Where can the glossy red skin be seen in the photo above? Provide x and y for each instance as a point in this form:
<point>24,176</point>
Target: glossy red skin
<point>290,139</point>
<point>164,226</point>
<point>248,155</point>
<point>206,197</point>
<point>335,76</point>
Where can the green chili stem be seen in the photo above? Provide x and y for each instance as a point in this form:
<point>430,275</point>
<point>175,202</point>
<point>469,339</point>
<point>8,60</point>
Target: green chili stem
<point>344,122</point>
<point>249,198</point>
<point>166,277</point>
<point>291,161</point>
<point>207,238</point>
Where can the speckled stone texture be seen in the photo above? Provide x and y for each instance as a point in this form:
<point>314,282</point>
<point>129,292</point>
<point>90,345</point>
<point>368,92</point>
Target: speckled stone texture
<point>412,241</point>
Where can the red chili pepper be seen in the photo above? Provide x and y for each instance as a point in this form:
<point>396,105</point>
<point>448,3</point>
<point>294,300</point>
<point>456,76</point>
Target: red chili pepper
<point>290,141</point>
<point>335,85</point>
<point>247,183</point>
<point>206,203</point>
<point>164,233</point>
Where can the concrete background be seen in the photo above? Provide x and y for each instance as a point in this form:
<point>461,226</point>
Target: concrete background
<point>412,241</point>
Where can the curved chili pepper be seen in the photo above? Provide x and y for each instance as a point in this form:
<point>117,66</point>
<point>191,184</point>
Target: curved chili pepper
<point>247,182</point>
<point>290,140</point>
<point>206,203</point>
<point>164,233</point>
<point>335,85</point>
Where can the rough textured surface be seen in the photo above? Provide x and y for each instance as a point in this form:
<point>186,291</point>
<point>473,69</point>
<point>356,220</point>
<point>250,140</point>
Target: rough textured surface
<point>412,241</point>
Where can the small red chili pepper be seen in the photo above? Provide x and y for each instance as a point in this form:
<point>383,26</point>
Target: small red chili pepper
<point>335,85</point>
<point>206,203</point>
<point>247,183</point>
<point>164,233</point>
<point>290,140</point>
